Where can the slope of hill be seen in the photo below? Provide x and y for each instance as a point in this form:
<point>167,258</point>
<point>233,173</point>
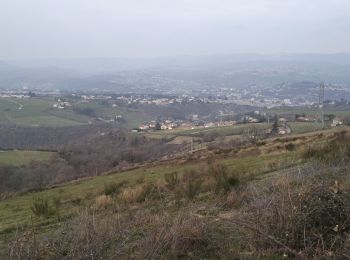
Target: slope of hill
<point>245,202</point>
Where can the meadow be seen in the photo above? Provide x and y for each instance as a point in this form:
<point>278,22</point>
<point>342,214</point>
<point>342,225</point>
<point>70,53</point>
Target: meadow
<point>20,158</point>
<point>36,112</point>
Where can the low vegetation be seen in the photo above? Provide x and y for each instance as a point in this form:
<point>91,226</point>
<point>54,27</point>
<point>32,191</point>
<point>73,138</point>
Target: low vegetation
<point>269,201</point>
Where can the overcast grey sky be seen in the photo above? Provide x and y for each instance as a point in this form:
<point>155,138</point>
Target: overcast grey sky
<point>153,28</point>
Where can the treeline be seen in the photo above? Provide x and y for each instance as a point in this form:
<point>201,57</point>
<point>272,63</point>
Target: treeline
<point>89,156</point>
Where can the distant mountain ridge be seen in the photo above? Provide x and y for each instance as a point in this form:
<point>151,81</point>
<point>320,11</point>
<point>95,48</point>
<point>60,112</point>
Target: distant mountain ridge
<point>120,74</point>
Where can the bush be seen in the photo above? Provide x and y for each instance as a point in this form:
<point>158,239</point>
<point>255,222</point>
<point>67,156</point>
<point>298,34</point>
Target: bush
<point>172,180</point>
<point>78,201</point>
<point>152,192</point>
<point>307,216</point>
<point>112,188</point>
<point>184,237</point>
<point>224,181</point>
<point>41,207</point>
<point>290,147</point>
<point>191,184</point>
<point>260,143</point>
<point>112,236</point>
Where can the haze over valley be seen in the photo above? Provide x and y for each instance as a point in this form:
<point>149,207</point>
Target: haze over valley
<point>189,129</point>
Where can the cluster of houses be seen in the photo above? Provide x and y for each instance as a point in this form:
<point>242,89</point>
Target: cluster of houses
<point>160,125</point>
<point>61,104</point>
<point>9,95</point>
<point>170,124</point>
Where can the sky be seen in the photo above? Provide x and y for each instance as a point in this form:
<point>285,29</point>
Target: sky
<point>40,29</point>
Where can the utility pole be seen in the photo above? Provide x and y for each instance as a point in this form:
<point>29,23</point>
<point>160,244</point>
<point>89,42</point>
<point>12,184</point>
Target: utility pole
<point>268,116</point>
<point>321,103</point>
<point>191,145</point>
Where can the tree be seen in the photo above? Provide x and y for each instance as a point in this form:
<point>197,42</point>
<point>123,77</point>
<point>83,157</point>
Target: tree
<point>275,125</point>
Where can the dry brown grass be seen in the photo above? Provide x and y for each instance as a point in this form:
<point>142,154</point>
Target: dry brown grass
<point>102,202</point>
<point>300,212</point>
<point>184,236</point>
<point>142,193</point>
<point>116,236</point>
<point>234,199</point>
<point>132,195</point>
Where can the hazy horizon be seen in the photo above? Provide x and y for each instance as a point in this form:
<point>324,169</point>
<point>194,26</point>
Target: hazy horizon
<point>65,29</point>
<point>243,54</point>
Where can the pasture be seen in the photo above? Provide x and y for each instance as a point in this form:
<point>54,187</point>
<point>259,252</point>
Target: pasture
<point>19,158</point>
<point>36,112</point>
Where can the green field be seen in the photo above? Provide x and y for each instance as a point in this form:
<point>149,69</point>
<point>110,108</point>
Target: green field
<point>36,112</point>
<point>18,158</point>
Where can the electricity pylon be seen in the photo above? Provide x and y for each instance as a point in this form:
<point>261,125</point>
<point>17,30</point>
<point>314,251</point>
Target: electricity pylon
<point>321,103</point>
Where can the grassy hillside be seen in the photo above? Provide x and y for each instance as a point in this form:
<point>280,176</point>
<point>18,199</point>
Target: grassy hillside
<point>204,187</point>
<point>18,158</point>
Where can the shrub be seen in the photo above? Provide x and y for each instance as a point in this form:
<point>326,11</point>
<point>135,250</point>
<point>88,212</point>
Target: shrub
<point>112,188</point>
<point>191,184</point>
<point>140,180</point>
<point>183,237</point>
<point>77,201</point>
<point>260,143</point>
<point>234,199</point>
<point>112,236</point>
<point>306,216</point>
<point>57,202</point>
<point>172,180</point>
<point>41,207</point>
<point>152,192</point>
<point>290,147</point>
<point>224,181</point>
